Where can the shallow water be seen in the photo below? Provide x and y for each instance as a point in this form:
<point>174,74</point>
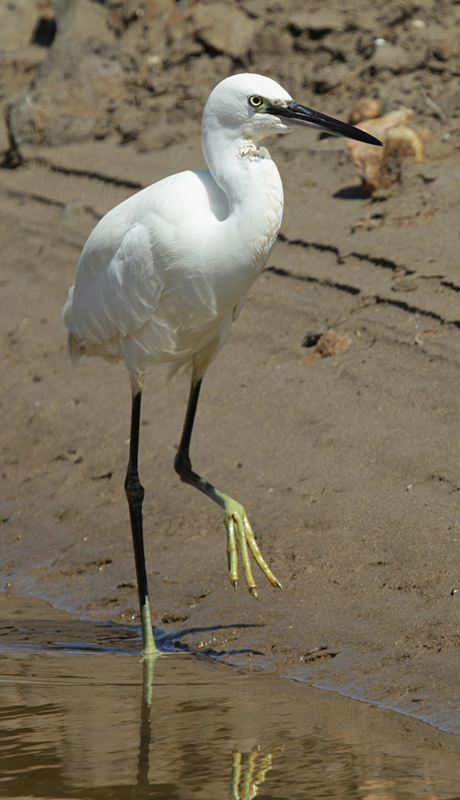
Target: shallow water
<point>90,720</point>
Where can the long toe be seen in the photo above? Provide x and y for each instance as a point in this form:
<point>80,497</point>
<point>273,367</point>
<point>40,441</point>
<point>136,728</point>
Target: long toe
<point>241,541</point>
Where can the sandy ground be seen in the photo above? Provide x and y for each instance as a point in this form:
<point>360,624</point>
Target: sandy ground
<point>347,465</point>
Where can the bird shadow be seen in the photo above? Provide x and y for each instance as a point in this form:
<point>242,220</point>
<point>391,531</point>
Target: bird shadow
<point>171,642</point>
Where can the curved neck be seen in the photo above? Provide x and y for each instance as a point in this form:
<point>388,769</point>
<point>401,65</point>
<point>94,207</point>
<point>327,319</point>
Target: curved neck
<point>221,149</point>
<point>245,172</point>
<point>254,191</point>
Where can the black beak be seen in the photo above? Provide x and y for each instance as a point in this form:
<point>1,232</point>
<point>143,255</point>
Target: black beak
<point>306,117</point>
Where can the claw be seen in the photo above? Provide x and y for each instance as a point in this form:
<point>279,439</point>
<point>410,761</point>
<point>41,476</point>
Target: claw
<point>240,536</point>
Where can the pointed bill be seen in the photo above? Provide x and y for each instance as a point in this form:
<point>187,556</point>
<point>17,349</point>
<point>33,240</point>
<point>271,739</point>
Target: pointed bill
<point>296,114</point>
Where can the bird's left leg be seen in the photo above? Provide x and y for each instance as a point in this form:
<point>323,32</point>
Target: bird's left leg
<point>240,535</point>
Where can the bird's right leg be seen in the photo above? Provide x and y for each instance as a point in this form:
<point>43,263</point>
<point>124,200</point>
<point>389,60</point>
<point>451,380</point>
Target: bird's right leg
<point>135,495</point>
<point>240,535</point>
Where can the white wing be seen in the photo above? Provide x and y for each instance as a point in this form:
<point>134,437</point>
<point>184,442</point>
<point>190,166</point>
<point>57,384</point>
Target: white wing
<point>115,298</point>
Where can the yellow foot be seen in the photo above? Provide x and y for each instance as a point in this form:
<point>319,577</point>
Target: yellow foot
<point>240,536</point>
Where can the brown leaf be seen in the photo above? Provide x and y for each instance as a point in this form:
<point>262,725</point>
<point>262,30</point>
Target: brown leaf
<point>329,344</point>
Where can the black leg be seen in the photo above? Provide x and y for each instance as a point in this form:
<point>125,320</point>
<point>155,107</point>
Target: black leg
<point>182,463</point>
<point>135,495</point>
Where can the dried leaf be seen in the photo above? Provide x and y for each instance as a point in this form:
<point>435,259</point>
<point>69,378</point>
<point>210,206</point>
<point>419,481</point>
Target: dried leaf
<point>329,344</point>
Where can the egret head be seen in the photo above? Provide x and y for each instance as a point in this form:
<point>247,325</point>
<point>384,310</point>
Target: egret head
<point>238,104</point>
<point>251,107</point>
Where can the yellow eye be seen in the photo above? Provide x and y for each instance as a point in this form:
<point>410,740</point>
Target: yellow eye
<point>255,101</point>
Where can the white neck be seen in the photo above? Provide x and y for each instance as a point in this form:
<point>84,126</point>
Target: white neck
<point>249,178</point>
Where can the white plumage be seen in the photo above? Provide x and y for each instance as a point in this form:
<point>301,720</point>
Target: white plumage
<point>164,274</point>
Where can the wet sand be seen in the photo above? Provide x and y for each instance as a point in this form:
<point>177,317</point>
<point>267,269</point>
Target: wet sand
<point>81,714</point>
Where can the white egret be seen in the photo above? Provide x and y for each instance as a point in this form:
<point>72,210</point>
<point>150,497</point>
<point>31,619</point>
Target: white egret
<point>165,273</point>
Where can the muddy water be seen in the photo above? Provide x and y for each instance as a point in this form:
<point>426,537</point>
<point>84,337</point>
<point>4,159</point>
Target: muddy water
<point>82,717</point>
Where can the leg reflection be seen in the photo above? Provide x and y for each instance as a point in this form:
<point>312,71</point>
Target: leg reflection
<point>142,783</point>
